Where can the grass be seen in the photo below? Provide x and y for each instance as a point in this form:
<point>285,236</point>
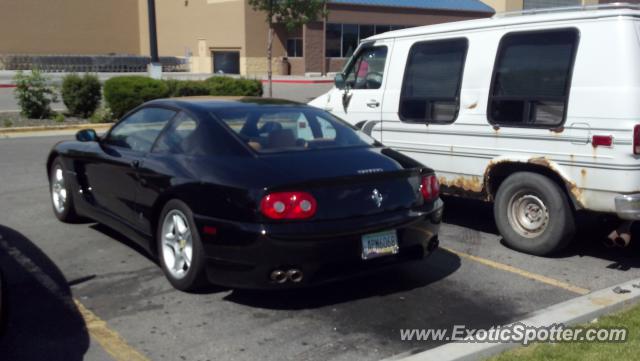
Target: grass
<point>630,350</point>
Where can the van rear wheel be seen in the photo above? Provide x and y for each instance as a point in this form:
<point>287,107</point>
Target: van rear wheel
<point>533,214</point>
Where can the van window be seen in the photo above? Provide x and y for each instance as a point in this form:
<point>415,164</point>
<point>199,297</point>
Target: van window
<point>432,81</point>
<point>532,77</point>
<point>367,69</point>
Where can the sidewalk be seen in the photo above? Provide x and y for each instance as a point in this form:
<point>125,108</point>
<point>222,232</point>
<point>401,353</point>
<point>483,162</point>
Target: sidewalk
<point>51,130</point>
<point>7,76</point>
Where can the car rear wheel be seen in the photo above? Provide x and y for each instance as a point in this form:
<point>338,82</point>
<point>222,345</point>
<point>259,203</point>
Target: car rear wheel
<point>61,196</point>
<point>533,214</point>
<point>179,247</point>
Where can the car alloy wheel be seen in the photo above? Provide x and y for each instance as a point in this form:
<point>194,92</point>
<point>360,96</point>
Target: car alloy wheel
<point>177,244</point>
<point>58,190</point>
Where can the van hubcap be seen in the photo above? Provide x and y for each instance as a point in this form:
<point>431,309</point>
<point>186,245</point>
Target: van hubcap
<point>177,244</point>
<point>528,215</point>
<point>58,191</point>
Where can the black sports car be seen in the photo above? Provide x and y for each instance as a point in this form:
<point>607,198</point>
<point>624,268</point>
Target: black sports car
<point>248,192</point>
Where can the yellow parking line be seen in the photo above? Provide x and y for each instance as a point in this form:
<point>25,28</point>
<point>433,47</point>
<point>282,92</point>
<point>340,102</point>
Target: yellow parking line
<point>109,339</point>
<point>522,273</point>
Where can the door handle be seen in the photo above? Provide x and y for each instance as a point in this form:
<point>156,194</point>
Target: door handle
<point>373,103</point>
<point>135,163</point>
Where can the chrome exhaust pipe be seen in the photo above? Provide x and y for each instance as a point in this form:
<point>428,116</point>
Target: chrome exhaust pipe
<point>279,276</point>
<point>295,275</point>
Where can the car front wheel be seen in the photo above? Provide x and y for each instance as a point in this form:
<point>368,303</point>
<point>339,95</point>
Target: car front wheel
<point>61,197</point>
<point>179,247</point>
<point>533,214</point>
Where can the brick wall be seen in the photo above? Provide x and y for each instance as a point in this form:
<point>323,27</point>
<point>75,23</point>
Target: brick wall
<point>313,47</point>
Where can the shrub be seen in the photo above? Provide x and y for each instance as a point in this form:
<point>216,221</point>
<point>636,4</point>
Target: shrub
<point>226,86</point>
<point>102,115</point>
<point>59,118</point>
<point>81,95</point>
<point>182,88</point>
<point>7,123</point>
<point>122,94</point>
<point>34,94</point>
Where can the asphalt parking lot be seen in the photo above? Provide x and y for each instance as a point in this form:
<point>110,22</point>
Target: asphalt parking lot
<point>65,280</point>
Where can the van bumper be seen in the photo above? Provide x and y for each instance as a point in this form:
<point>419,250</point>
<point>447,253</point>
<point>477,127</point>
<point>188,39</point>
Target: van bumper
<point>628,206</point>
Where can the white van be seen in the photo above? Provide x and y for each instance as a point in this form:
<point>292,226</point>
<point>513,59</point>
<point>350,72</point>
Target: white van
<point>537,112</point>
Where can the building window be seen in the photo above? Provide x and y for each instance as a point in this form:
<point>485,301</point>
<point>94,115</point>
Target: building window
<point>532,78</point>
<point>540,4</point>
<point>349,39</point>
<point>334,40</point>
<point>343,39</point>
<point>432,81</point>
<point>226,62</point>
<point>294,48</point>
<point>367,31</point>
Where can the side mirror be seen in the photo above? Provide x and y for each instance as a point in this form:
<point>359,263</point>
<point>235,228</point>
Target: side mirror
<point>340,81</point>
<point>87,135</point>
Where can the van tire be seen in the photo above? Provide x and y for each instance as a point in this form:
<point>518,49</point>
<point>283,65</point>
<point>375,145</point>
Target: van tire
<point>533,214</point>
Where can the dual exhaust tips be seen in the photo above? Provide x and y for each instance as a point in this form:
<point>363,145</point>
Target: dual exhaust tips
<point>294,275</point>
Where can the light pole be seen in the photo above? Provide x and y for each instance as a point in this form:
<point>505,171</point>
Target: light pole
<point>155,68</point>
<point>270,51</point>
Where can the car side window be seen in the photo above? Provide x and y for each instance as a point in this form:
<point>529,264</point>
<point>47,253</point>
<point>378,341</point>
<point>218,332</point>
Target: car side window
<point>366,71</point>
<point>327,129</point>
<point>532,78</point>
<point>432,81</point>
<point>179,138</point>
<point>139,130</point>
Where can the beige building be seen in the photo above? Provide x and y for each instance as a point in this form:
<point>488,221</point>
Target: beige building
<point>515,5</point>
<point>70,27</point>
<point>215,35</point>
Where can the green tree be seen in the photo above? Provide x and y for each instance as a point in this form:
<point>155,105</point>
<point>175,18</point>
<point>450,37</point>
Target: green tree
<point>291,13</point>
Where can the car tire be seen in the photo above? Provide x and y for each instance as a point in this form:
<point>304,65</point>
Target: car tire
<point>180,249</point>
<point>533,214</point>
<point>61,193</point>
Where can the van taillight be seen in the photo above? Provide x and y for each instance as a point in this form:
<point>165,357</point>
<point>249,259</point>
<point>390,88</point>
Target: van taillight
<point>288,205</point>
<point>636,139</point>
<point>430,188</point>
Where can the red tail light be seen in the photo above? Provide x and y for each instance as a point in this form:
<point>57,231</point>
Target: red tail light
<point>288,205</point>
<point>430,188</point>
<point>601,141</point>
<point>636,139</point>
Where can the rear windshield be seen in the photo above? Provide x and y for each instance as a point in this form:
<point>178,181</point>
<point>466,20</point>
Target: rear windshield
<point>274,129</point>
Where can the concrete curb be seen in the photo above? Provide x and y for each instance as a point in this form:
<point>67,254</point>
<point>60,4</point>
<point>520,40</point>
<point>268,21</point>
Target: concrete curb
<point>47,128</point>
<point>574,312</point>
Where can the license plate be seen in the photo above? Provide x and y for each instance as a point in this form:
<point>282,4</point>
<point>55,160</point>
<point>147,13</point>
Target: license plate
<point>379,244</point>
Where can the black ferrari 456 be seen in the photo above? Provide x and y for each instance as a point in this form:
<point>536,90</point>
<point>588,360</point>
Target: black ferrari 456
<point>248,192</point>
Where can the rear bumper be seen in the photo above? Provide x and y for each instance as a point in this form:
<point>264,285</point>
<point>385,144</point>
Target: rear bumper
<point>246,259</point>
<point>628,206</point>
